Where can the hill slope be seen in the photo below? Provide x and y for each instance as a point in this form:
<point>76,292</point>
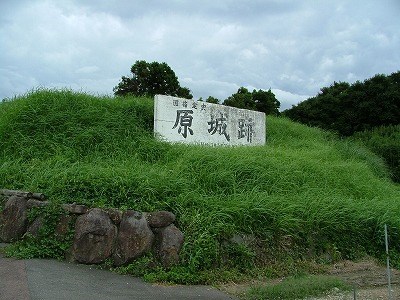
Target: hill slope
<point>305,194</point>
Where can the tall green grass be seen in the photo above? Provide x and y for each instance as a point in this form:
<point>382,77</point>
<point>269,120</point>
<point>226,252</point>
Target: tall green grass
<point>385,142</point>
<point>298,288</point>
<point>302,195</point>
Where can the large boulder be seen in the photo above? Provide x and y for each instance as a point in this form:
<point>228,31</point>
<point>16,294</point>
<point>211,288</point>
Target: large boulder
<point>134,238</point>
<point>115,215</point>
<point>75,208</point>
<point>36,203</point>
<point>160,218</point>
<point>168,244</point>
<point>34,228</point>
<point>13,219</point>
<point>94,237</point>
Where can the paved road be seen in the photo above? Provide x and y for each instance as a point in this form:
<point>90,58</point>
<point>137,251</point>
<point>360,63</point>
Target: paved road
<point>42,279</point>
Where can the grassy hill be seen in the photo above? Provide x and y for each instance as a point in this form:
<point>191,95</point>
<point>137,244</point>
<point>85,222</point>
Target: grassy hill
<point>304,196</point>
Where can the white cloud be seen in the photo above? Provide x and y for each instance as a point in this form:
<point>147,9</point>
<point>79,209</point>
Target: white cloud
<point>293,47</point>
<point>87,70</point>
<point>18,83</point>
<point>288,99</point>
<point>202,87</point>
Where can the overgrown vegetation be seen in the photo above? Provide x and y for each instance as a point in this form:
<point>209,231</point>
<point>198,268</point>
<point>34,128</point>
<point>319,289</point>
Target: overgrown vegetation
<point>306,195</point>
<point>298,288</point>
<point>366,111</point>
<point>385,142</point>
<point>48,243</point>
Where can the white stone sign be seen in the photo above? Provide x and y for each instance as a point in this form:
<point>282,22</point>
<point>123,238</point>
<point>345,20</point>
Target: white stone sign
<point>198,122</point>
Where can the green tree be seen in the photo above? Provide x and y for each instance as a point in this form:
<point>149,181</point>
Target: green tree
<point>347,109</point>
<point>326,110</point>
<point>149,79</point>
<point>241,99</point>
<point>264,101</point>
<point>212,99</point>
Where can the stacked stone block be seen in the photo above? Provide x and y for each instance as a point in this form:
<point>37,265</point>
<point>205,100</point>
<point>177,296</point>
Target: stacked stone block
<point>100,234</point>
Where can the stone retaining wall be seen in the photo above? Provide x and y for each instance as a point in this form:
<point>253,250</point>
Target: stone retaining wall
<point>100,234</point>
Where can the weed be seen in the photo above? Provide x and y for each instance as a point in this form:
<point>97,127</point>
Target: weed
<point>297,288</point>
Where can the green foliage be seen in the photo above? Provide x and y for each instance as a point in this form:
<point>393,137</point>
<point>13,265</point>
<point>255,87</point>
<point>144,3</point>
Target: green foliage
<point>298,288</point>
<point>241,99</point>
<point>140,267</point>
<point>266,102</point>
<point>304,192</point>
<point>351,150</point>
<point>149,79</point>
<point>283,268</point>
<point>347,109</point>
<point>260,100</point>
<point>211,99</point>
<point>52,123</point>
<point>385,142</point>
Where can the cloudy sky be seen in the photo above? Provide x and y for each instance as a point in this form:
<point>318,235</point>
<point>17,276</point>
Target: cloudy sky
<point>294,47</point>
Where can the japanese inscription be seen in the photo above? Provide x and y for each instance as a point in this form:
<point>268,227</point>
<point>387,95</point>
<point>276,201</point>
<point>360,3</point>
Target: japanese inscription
<point>218,125</point>
<point>246,129</point>
<point>184,120</point>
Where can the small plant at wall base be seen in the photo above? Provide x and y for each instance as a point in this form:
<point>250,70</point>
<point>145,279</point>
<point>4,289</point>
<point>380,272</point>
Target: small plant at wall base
<point>46,243</point>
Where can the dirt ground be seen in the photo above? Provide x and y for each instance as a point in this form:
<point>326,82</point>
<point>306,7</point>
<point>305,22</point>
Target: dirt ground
<point>367,277</point>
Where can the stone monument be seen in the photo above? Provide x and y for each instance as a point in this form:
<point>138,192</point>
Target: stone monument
<point>198,122</point>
